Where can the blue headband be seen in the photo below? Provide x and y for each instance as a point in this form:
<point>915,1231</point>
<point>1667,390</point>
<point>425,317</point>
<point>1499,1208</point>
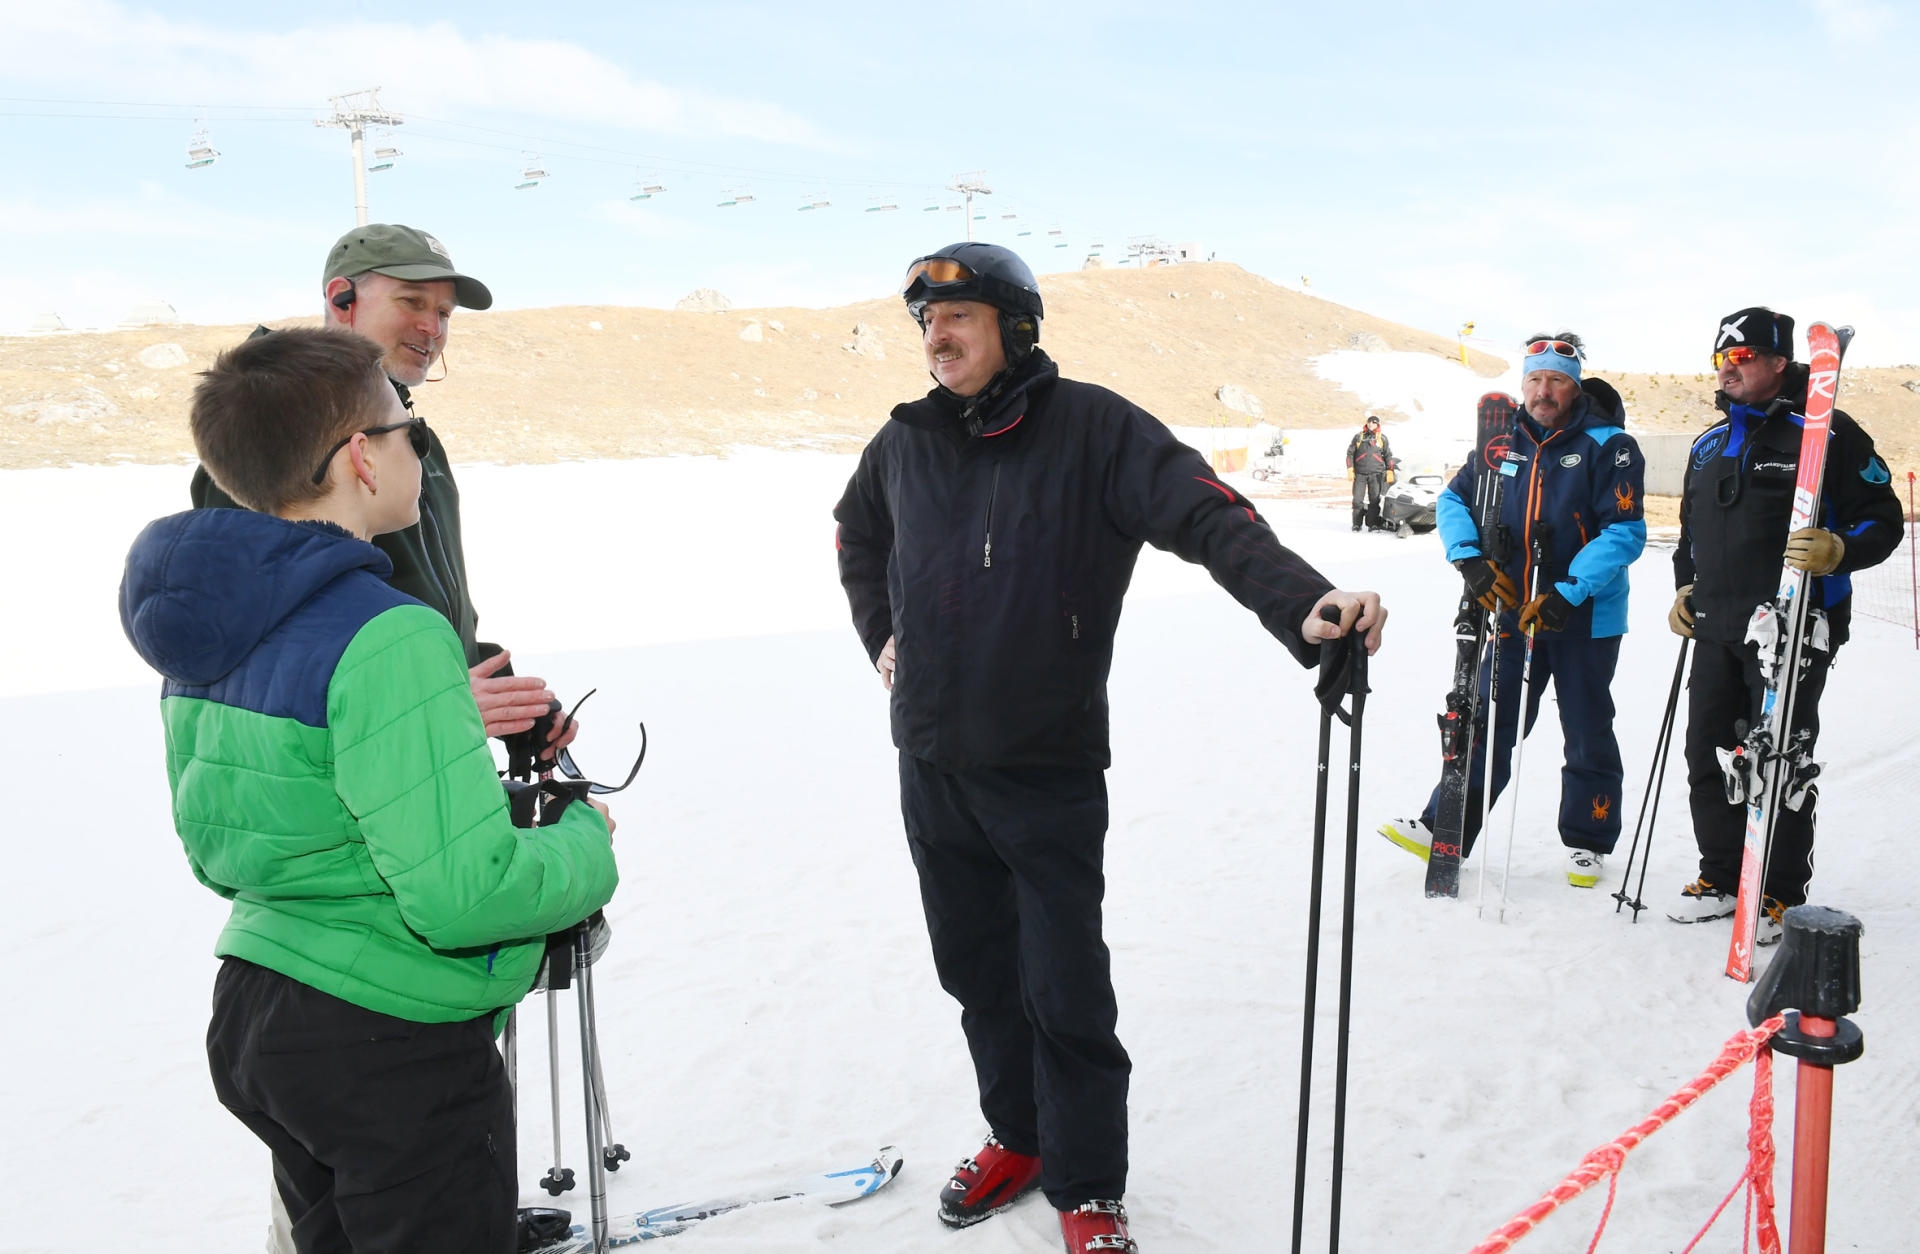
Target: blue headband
<point>1550,360</point>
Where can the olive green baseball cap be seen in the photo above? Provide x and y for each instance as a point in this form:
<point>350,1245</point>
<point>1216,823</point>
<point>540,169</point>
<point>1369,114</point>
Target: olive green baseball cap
<point>402,252</point>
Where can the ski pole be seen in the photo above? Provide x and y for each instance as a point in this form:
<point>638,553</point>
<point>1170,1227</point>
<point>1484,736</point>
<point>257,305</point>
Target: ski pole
<point>1490,735</point>
<point>1343,673</point>
<point>1490,722</point>
<point>1650,803</point>
<point>590,1089</point>
<point>510,1055</point>
<point>1357,694</point>
<point>1309,995</point>
<point>1519,730</point>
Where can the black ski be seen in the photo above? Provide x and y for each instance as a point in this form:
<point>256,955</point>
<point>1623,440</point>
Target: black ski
<point>1461,723</point>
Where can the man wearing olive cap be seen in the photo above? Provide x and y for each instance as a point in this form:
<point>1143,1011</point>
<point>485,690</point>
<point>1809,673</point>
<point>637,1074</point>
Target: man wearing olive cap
<point>398,286</point>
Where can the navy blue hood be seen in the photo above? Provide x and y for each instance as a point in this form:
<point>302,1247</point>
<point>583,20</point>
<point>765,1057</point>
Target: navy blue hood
<point>203,588</point>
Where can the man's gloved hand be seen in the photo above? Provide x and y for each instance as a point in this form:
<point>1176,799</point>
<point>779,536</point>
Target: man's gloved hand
<point>1548,612</point>
<point>1815,551</point>
<point>1389,476</point>
<point>1680,617</point>
<point>1349,474</point>
<point>1488,584</point>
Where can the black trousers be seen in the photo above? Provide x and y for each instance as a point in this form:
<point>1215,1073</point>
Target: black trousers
<point>1011,878</point>
<point>1724,686</point>
<point>1367,492</point>
<point>388,1136</point>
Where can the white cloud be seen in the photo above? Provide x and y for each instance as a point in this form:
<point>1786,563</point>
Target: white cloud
<point>152,213</point>
<point>647,221</point>
<point>96,48</point>
<point>1855,21</point>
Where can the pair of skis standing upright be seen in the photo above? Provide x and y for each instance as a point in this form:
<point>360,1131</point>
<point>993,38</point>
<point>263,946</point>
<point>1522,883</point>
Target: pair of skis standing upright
<point>1466,719</point>
<point>1770,768</point>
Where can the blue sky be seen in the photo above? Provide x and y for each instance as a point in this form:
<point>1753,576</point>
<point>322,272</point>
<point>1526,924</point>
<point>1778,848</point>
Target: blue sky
<point>1632,171</point>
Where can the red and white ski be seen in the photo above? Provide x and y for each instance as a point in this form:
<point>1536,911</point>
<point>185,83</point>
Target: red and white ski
<point>1765,763</point>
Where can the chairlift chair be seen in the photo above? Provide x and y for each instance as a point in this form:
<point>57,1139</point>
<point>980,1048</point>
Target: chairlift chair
<point>200,153</point>
<point>882,207</point>
<point>383,159</point>
<point>809,206</point>
<point>531,174</point>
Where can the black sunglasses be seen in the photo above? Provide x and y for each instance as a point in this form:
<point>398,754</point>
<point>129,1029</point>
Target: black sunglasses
<point>416,429</point>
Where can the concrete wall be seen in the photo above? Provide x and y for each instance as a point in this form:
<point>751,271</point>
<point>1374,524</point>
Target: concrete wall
<point>1666,454</point>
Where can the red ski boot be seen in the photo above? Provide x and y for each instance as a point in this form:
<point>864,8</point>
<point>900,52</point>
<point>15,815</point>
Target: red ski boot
<point>986,1184</point>
<point>1097,1227</point>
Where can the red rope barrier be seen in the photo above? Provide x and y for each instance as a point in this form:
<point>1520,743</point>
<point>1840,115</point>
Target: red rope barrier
<point>1608,1159</point>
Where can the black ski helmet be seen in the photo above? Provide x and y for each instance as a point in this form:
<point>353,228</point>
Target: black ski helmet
<point>984,272</point>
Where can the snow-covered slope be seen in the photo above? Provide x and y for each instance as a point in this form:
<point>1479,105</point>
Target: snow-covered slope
<point>768,1005</point>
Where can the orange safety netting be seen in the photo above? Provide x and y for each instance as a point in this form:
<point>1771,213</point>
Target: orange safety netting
<point>1756,1177</point>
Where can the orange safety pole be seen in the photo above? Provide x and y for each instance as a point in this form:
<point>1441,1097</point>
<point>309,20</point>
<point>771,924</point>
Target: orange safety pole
<point>1812,1136</point>
<point>1816,968</point>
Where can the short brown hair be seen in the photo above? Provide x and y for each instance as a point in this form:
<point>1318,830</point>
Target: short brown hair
<point>269,409</point>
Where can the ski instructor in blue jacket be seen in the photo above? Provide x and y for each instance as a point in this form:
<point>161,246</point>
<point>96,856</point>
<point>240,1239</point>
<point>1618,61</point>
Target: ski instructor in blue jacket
<point>1572,504</point>
<point>985,543</point>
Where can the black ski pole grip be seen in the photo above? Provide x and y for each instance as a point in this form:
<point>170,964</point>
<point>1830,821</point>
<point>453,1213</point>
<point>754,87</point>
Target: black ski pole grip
<point>1336,667</point>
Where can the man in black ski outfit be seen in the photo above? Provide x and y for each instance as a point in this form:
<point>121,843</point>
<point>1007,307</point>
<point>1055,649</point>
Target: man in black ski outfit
<point>1734,513</point>
<point>986,541</point>
<point>1370,470</point>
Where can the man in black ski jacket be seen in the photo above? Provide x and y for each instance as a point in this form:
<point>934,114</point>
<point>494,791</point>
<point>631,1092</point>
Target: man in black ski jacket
<point>1370,470</point>
<point>1735,510</point>
<point>985,543</point>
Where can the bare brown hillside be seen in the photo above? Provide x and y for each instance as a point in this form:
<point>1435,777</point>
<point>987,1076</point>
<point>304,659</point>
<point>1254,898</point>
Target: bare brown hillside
<point>1884,400</point>
<point>574,382</point>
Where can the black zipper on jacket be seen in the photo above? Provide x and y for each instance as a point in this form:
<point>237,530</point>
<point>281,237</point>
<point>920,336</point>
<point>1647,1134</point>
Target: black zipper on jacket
<point>993,490</point>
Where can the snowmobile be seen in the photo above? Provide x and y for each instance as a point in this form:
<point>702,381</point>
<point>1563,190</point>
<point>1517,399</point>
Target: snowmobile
<point>1271,464</point>
<point>1408,505</point>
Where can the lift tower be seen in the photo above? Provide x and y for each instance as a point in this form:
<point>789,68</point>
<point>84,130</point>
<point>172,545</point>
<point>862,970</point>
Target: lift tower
<point>354,113</point>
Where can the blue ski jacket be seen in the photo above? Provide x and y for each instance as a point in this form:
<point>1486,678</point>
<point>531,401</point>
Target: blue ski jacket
<point>1577,490</point>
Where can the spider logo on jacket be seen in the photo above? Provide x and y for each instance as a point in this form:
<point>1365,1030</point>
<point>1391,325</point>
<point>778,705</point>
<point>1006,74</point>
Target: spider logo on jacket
<point>1623,497</point>
<point>1602,807</point>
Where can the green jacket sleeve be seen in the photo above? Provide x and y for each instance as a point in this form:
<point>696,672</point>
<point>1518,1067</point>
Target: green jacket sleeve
<point>411,764</point>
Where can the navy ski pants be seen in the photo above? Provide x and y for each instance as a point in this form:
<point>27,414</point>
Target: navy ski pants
<point>1581,671</point>
<point>1010,862</point>
<point>1724,687</point>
